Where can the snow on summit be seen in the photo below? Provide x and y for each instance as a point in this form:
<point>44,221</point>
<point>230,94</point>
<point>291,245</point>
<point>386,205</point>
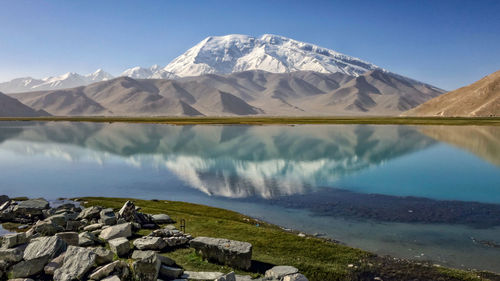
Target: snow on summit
<point>272,53</point>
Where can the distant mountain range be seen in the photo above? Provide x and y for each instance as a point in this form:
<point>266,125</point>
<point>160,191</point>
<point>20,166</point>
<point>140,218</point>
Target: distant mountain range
<point>242,93</point>
<point>232,75</point>
<point>481,98</point>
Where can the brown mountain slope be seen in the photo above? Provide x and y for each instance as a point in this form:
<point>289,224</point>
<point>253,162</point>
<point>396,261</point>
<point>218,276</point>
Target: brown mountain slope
<point>303,93</point>
<point>11,107</point>
<point>480,99</point>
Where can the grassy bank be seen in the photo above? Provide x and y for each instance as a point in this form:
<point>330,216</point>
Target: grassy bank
<point>318,259</point>
<point>492,121</point>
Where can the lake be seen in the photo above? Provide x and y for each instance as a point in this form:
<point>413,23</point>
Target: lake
<point>419,192</point>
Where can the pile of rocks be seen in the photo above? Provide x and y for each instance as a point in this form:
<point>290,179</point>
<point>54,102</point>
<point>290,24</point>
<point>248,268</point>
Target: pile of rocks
<point>95,243</point>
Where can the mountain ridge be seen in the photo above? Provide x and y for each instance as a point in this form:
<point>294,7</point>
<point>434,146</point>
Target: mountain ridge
<point>252,92</point>
<point>479,99</point>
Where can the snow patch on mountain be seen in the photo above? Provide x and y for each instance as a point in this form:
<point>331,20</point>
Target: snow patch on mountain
<point>272,53</point>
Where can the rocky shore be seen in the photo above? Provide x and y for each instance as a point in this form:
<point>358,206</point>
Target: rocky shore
<point>68,242</point>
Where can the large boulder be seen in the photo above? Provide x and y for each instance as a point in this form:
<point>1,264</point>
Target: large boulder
<point>162,219</point>
<point>150,243</point>
<point>28,268</point>
<point>116,231</point>
<point>47,228</point>
<point>120,246</point>
<point>280,271</point>
<point>103,255</point>
<point>15,239</point>
<point>11,255</point>
<point>146,266</point>
<point>229,252</point>
<point>90,213</point>
<point>86,239</point>
<point>32,207</point>
<point>127,212</point>
<point>77,262</point>
<point>47,247</point>
<point>107,217</point>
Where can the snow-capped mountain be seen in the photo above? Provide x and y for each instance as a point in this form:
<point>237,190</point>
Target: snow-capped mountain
<point>68,80</point>
<point>154,72</point>
<point>272,53</point>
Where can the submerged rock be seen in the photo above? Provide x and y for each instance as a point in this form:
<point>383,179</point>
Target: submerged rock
<point>233,253</point>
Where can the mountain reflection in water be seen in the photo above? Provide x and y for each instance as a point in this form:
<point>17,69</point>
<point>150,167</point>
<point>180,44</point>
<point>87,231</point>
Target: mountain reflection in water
<point>229,161</point>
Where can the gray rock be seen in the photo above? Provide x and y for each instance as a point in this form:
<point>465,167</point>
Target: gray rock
<point>77,262</point>
<point>116,231</point>
<point>15,239</point>
<point>201,275</point>
<point>146,265</point>
<point>107,217</point>
<point>127,212</point>
<point>28,268</point>
<point>229,252</point>
<point>103,255</point>
<point>90,213</point>
<point>59,219</point>
<point>74,225</point>
<point>162,219</point>
<point>105,271</point>
<point>12,255</point>
<point>71,238</point>
<point>86,239</point>
<point>120,246</point>
<point>295,277</point>
<point>170,272</point>
<point>54,264</point>
<point>280,271</point>
<point>93,227</point>
<point>228,277</point>
<point>150,243</point>
<point>47,228</point>
<point>246,278</point>
<point>32,207</point>
<point>48,247</point>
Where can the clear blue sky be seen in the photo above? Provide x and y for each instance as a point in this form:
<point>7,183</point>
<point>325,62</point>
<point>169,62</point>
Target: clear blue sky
<point>446,43</point>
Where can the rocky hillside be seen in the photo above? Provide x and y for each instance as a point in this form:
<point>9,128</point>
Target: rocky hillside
<point>301,93</point>
<point>480,99</point>
<point>11,107</point>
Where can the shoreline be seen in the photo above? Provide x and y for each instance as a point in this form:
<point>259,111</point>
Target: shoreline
<point>335,258</point>
<point>267,120</point>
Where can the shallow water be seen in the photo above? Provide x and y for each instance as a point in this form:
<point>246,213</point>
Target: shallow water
<point>428,192</point>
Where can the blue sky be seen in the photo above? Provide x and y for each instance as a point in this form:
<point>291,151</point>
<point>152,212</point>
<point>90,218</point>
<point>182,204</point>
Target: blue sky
<point>446,43</point>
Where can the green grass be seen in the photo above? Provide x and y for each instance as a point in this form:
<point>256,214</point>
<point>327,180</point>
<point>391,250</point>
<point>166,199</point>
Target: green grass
<point>492,121</point>
<point>318,259</point>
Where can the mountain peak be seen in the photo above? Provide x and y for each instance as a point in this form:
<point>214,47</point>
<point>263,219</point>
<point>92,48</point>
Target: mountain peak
<point>273,53</point>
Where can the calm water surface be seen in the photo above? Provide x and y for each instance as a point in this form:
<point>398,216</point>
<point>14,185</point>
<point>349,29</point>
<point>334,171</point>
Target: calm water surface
<point>426,193</point>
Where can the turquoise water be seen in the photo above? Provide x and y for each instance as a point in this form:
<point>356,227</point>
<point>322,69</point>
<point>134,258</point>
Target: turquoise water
<point>419,192</point>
